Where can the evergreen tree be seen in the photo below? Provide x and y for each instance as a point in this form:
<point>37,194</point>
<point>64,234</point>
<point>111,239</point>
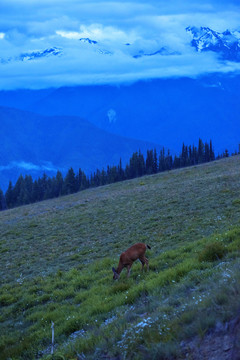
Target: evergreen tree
<point>226,153</point>
<point>92,180</point>
<point>194,155</point>
<point>97,178</point>
<point>176,162</point>
<point>136,165</point>
<point>3,205</point>
<point>212,155</point>
<point>50,190</point>
<point>190,155</point>
<point>70,184</point>
<point>28,189</point>
<point>200,151</point>
<point>42,187</point>
<point>155,161</point>
<point>133,166</point>
<point>112,174</point>
<point>206,152</point>
<point>58,184</point>
<point>168,161</point>
<point>9,196</point>
<point>184,156</point>
<point>141,164</point>
<point>36,192</point>
<point>18,192</point>
<point>85,183</point>
<point>108,174</point>
<point>162,164</point>
<point>121,175</point>
<point>103,177</point>
<point>127,172</point>
<point>149,162</point>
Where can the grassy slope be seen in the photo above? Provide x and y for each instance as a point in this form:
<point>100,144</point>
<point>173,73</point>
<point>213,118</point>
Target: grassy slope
<point>56,259</point>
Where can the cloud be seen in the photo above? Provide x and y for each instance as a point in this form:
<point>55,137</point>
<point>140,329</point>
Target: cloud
<point>28,166</point>
<point>99,32</point>
<point>147,26</point>
<point>112,116</point>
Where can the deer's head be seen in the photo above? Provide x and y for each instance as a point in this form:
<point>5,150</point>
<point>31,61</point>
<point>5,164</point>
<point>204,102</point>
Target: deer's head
<point>115,274</point>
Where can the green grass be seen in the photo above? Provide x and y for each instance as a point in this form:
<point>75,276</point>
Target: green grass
<point>212,252</point>
<point>56,260</point>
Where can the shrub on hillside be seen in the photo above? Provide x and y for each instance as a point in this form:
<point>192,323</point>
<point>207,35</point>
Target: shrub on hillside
<point>212,252</point>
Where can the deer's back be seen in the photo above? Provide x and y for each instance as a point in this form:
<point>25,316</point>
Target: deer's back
<point>133,253</point>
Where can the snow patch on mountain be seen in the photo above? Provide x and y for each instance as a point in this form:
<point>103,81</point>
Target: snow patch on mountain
<point>227,43</point>
<point>33,55</point>
<point>101,51</point>
<point>54,51</point>
<point>89,41</point>
<point>164,51</point>
<point>104,52</point>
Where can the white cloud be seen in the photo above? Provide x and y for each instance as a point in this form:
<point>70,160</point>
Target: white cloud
<point>69,34</point>
<point>28,166</point>
<point>112,116</point>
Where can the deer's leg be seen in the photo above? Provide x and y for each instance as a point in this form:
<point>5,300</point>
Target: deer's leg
<point>146,262</point>
<point>142,259</point>
<point>128,270</point>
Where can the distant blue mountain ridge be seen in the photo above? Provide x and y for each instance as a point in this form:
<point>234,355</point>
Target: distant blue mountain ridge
<point>35,144</point>
<point>163,111</point>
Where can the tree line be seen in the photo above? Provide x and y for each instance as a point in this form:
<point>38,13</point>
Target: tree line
<point>26,190</point>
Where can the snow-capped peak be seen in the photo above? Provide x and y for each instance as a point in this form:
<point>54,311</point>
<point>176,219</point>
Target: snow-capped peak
<point>33,55</point>
<point>227,43</point>
<point>89,41</point>
<point>164,51</point>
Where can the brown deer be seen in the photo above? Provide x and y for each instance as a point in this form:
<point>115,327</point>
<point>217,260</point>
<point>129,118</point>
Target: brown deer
<point>136,251</point>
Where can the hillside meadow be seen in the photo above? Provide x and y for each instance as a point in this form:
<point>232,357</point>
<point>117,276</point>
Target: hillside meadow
<point>57,255</point>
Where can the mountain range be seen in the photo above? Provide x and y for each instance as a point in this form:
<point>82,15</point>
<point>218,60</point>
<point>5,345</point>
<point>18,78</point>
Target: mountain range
<point>94,125</point>
<point>33,55</point>
<point>226,44</point>
<point>163,111</point>
<point>34,144</point>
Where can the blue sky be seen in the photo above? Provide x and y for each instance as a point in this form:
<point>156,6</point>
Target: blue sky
<point>33,26</point>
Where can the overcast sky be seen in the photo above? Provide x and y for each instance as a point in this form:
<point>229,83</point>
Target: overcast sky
<point>34,25</point>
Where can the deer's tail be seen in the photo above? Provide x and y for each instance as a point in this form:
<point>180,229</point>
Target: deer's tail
<point>148,246</point>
